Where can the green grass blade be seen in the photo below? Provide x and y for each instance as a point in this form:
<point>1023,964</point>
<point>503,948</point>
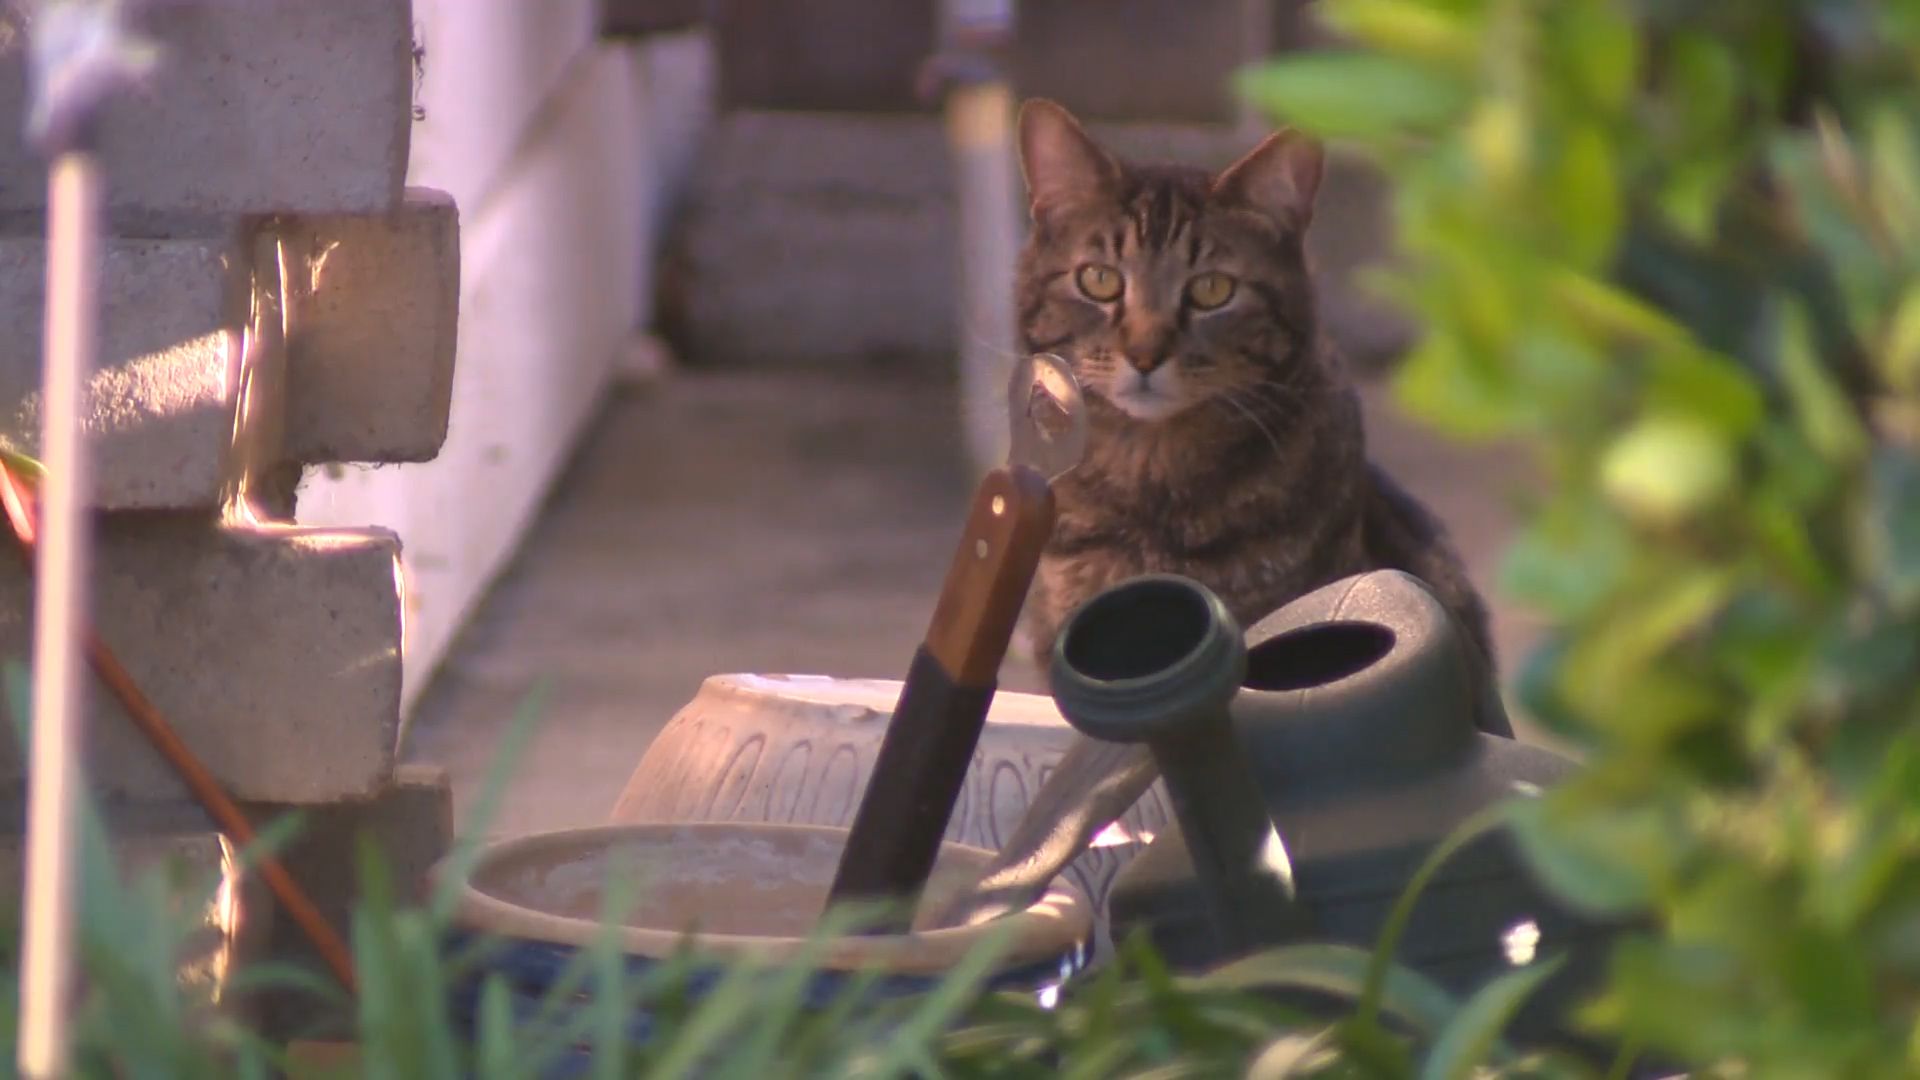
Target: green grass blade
<point>1294,1055</point>
<point>1368,1012</point>
<point>1473,1034</point>
<point>1341,971</point>
<point>940,1008</point>
<point>493,1052</point>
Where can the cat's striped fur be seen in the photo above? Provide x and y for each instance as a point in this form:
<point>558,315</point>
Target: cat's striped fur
<point>1226,443</point>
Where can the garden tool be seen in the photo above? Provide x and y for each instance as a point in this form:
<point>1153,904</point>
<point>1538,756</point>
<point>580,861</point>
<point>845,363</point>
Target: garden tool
<point>943,704</point>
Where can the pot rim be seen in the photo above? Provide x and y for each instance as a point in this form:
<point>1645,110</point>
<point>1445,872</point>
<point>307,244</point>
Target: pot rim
<point>1056,925</point>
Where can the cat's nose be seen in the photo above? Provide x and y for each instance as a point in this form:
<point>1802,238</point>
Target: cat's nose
<point>1145,362</point>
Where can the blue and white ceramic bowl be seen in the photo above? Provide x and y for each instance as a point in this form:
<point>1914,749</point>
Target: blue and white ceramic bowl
<point>735,892</point>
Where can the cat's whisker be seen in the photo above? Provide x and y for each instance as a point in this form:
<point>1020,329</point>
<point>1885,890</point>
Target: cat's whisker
<point>1272,439</point>
<point>974,337</point>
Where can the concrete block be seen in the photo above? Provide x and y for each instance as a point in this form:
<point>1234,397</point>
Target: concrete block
<point>818,239</point>
<point>274,652</point>
<point>372,313</point>
<point>268,105</point>
<point>409,823</point>
<point>224,905</point>
<point>160,416</point>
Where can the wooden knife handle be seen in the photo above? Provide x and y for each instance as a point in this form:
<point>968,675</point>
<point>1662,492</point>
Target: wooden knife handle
<point>928,747</point>
<point>973,621</point>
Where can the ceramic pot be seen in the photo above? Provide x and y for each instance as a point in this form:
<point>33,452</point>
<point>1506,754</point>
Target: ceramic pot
<point>1363,718</point>
<point>798,749</point>
<point>739,893</point>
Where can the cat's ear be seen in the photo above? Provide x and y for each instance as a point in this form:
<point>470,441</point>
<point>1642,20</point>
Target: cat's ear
<point>1060,161</point>
<point>1279,177</point>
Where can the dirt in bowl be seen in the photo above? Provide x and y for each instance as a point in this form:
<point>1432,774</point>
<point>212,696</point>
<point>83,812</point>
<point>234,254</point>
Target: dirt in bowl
<point>685,878</point>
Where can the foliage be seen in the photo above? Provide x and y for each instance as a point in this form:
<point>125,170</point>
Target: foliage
<point>1672,248</point>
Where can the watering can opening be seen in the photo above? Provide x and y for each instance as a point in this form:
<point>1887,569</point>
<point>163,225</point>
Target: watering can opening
<point>1316,655</point>
<point>1138,632</point>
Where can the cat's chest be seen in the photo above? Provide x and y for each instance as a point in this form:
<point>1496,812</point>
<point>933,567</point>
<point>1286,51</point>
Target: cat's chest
<point>1163,526</point>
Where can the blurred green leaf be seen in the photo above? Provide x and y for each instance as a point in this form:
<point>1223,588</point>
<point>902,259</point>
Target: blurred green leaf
<point>1414,29</point>
<point>1569,557</point>
<point>1825,415</point>
<point>1434,384</point>
<point>1706,82</point>
<point>1601,50</point>
<point>1894,176</point>
<point>22,465</point>
<point>1598,862</point>
<point>1343,92</point>
<point>1707,387</point>
<point>1893,524</point>
<point>1666,468</point>
<point>1900,355</point>
<point>1585,196</point>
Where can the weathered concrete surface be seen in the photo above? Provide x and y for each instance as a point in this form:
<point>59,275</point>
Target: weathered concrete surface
<point>823,239</point>
<point>273,652</point>
<point>770,522</point>
<point>374,304</point>
<point>159,417</point>
<point>267,105</point>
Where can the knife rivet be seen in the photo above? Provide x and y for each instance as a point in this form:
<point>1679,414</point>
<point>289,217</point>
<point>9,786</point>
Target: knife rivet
<point>979,549</point>
<point>999,505</point>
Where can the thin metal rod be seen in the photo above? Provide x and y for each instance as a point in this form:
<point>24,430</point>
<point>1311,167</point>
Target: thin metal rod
<point>980,136</point>
<point>60,593</point>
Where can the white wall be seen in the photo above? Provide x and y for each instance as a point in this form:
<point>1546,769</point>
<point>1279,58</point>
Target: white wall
<point>562,154</point>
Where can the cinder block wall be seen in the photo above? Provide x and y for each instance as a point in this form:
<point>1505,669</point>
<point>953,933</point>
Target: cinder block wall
<point>274,297</point>
<point>565,154</point>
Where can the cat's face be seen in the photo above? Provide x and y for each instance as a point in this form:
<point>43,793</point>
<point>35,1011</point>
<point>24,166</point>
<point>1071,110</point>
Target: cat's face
<point>1167,289</point>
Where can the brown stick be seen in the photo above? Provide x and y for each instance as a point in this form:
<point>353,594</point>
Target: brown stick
<point>205,788</point>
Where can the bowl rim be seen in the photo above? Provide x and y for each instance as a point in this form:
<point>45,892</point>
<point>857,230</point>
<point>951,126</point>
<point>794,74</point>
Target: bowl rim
<point>1055,926</point>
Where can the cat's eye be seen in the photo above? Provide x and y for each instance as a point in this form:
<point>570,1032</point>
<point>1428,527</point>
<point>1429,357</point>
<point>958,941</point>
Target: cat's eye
<point>1210,290</point>
<point>1102,283</point>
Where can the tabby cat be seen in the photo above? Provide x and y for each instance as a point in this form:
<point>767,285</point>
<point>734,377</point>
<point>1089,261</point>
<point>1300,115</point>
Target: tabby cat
<point>1226,439</point>
<point>1225,442</point>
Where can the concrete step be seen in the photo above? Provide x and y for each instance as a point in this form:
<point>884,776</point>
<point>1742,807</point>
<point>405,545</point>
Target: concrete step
<point>273,651</point>
<point>263,106</point>
<point>199,392</point>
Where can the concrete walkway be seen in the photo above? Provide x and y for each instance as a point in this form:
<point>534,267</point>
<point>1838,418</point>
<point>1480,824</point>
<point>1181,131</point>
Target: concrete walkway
<point>771,522</point>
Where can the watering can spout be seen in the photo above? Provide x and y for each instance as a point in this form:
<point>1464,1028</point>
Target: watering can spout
<point>1159,660</point>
